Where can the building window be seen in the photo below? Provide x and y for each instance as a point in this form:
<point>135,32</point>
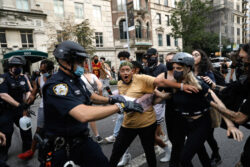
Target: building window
<point>166,2</point>
<point>238,7</point>
<point>146,3</point>
<point>121,5</point>
<point>22,5</point>
<point>160,40</point>
<point>159,2</point>
<point>97,13</point>
<point>79,10</point>
<point>99,39</point>
<point>138,29</point>
<point>176,42</point>
<point>3,41</point>
<point>161,60</point>
<point>226,29</point>
<point>232,18</point>
<point>167,20</point>
<point>59,7</point>
<point>238,20</point>
<point>226,16</point>
<point>168,40</point>
<point>122,28</point>
<point>158,18</point>
<point>238,31</point>
<point>136,4</point>
<point>27,38</point>
<point>148,31</point>
<point>232,30</point>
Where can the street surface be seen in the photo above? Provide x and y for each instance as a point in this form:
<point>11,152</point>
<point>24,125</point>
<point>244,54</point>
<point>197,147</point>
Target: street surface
<point>229,149</point>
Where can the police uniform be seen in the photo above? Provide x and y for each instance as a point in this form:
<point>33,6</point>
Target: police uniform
<point>16,88</point>
<point>61,94</point>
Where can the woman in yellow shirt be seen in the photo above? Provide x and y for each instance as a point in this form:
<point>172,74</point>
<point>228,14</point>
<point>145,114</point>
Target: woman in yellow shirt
<point>142,124</point>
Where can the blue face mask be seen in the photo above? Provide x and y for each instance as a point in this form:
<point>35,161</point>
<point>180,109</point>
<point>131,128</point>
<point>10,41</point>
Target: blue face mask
<point>79,71</point>
<point>46,75</point>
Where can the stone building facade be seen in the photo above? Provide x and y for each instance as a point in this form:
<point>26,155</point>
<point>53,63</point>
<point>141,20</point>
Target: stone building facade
<point>161,27</point>
<point>37,24</point>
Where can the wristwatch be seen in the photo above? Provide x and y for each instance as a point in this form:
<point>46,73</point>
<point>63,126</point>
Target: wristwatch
<point>119,105</point>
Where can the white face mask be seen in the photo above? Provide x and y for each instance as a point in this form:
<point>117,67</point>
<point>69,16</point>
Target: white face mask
<point>122,61</point>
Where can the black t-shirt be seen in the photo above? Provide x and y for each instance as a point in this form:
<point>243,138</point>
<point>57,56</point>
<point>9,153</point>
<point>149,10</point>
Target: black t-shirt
<point>156,70</point>
<point>191,104</point>
<point>61,93</point>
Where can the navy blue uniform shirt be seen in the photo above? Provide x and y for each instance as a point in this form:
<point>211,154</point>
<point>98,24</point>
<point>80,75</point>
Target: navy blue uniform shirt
<point>61,93</point>
<point>15,87</point>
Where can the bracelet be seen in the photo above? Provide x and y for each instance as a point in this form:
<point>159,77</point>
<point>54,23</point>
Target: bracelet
<point>182,86</point>
<point>121,110</point>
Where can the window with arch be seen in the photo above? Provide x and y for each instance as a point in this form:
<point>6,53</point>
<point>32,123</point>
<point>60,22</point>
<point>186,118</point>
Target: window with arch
<point>148,30</point>
<point>138,29</point>
<point>122,28</point>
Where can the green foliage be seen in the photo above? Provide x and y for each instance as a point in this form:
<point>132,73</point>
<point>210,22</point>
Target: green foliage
<point>189,21</point>
<point>81,33</point>
<point>113,82</point>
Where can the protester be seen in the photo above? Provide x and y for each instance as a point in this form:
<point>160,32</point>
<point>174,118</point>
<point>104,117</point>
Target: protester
<point>96,66</point>
<point>224,67</point>
<point>144,125</point>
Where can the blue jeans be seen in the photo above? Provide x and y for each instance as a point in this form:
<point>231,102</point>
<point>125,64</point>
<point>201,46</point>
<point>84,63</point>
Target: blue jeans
<point>118,124</point>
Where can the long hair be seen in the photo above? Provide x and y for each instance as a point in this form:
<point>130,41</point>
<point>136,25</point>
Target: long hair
<point>205,64</point>
<point>189,78</point>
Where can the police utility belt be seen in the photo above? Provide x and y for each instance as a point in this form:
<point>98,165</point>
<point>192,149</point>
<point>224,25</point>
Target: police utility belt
<point>51,144</point>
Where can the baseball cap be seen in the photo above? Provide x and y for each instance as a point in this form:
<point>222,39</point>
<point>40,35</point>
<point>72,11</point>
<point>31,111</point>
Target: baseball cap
<point>151,51</point>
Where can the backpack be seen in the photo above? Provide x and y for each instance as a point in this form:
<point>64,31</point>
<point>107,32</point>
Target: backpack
<point>219,78</point>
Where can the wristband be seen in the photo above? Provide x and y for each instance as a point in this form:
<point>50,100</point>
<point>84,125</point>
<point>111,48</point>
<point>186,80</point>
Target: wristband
<point>181,86</point>
<point>121,110</point>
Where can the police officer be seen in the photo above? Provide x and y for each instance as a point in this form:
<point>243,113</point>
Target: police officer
<point>67,111</point>
<point>13,89</point>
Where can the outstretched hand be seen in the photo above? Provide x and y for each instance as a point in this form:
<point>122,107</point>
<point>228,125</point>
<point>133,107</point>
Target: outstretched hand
<point>130,106</point>
<point>236,133</point>
<point>190,89</point>
<point>116,99</point>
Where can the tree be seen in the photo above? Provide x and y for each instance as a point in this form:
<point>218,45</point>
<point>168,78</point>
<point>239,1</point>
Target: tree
<point>189,21</point>
<point>81,33</point>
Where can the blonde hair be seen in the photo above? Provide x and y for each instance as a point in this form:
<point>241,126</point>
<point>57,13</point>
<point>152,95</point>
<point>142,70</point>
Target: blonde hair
<point>189,78</point>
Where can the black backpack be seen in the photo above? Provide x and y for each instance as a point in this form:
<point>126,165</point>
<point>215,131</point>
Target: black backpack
<point>219,78</point>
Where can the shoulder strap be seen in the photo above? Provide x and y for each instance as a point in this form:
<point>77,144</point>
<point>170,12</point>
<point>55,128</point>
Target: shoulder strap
<point>166,74</point>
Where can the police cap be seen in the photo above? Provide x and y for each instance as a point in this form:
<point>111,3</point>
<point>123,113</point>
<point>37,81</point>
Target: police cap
<point>16,60</point>
<point>68,50</point>
<point>183,58</point>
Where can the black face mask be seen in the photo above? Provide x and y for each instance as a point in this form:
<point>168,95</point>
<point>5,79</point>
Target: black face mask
<point>178,75</point>
<point>152,61</point>
<point>96,61</point>
<point>169,66</point>
<point>17,71</point>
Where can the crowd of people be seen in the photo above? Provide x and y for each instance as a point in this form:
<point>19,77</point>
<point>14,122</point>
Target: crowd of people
<point>186,93</point>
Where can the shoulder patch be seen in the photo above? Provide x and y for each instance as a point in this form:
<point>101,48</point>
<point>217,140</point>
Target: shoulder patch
<point>61,89</point>
<point>1,80</point>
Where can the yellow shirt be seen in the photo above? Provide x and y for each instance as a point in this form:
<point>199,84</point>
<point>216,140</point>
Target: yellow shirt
<point>140,85</point>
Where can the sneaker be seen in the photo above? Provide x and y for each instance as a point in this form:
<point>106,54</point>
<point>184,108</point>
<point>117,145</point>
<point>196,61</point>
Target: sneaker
<point>167,155</point>
<point>26,155</point>
<point>99,139</point>
<point>125,159</point>
<point>110,139</point>
<point>215,160</point>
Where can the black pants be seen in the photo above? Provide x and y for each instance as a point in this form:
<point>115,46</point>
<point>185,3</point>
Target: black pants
<point>197,133</point>
<point>125,138</point>
<point>176,134</point>
<point>25,135</point>
<point>212,142</point>
<point>87,153</point>
<point>245,157</point>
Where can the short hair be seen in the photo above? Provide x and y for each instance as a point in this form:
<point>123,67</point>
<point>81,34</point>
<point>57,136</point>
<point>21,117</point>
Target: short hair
<point>137,64</point>
<point>95,56</point>
<point>49,64</point>
<point>123,54</point>
<point>126,63</point>
<point>103,58</point>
